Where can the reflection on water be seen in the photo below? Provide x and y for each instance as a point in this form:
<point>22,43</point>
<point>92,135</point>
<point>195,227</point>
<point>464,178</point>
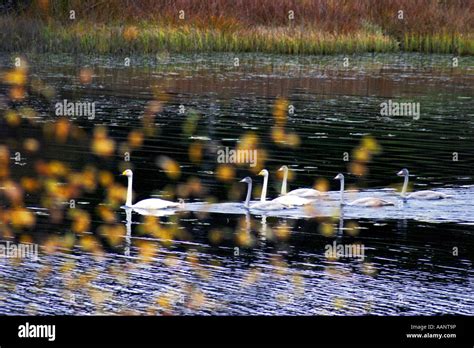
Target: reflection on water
<point>219,258</point>
<point>455,209</point>
<point>403,272</point>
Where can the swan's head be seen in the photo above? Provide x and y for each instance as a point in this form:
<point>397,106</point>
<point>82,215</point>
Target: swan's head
<point>128,173</point>
<point>283,168</point>
<point>339,177</point>
<point>263,172</point>
<point>247,180</point>
<point>403,172</point>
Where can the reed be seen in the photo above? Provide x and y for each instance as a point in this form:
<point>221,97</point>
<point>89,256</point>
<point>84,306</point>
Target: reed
<point>319,27</point>
<point>327,15</point>
<point>83,37</point>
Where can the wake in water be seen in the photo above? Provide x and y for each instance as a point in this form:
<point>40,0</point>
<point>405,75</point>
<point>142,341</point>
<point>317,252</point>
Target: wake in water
<point>457,209</point>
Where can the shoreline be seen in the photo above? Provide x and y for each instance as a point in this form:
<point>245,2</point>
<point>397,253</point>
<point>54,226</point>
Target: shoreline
<point>86,37</point>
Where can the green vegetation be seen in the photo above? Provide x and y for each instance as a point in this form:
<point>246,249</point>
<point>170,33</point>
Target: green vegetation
<point>318,27</point>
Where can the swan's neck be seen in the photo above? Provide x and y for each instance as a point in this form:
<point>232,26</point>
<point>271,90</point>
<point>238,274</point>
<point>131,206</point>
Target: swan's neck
<point>264,189</point>
<point>342,192</point>
<point>128,203</point>
<point>341,222</point>
<point>249,193</point>
<point>283,184</point>
<point>128,236</point>
<point>405,186</point>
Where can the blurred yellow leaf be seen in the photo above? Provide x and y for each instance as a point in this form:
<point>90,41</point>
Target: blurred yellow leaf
<point>195,152</point>
<point>280,109</point>
<point>169,166</point>
<point>16,77</point>
<point>225,173</point>
<point>135,138</point>
<point>321,184</point>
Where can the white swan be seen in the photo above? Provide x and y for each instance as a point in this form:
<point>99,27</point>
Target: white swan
<point>289,201</point>
<point>301,192</point>
<point>426,194</point>
<point>362,202</point>
<point>150,203</point>
<point>262,205</point>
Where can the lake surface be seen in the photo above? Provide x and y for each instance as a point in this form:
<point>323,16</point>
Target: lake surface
<point>213,258</point>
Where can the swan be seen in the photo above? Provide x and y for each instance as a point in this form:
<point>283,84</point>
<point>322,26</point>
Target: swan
<point>289,201</point>
<point>150,203</point>
<point>425,194</point>
<point>262,205</point>
<point>362,202</point>
<point>155,212</point>
<point>128,228</point>
<point>301,192</point>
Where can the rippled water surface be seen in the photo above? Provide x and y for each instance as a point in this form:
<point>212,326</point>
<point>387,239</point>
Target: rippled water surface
<point>223,259</point>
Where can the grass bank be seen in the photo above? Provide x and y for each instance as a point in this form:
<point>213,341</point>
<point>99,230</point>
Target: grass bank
<point>148,38</point>
<point>270,26</point>
<point>85,37</point>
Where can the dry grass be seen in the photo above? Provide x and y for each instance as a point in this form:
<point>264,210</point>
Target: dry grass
<point>341,16</point>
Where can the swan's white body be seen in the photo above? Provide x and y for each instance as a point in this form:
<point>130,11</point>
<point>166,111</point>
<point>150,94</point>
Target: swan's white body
<point>428,195</point>
<point>268,205</point>
<point>305,193</point>
<point>263,204</point>
<point>155,212</point>
<point>425,194</point>
<point>301,192</point>
<point>154,203</point>
<point>148,204</point>
<point>289,201</point>
<point>370,202</point>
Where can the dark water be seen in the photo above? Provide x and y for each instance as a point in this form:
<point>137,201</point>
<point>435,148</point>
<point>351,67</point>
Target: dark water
<point>280,266</point>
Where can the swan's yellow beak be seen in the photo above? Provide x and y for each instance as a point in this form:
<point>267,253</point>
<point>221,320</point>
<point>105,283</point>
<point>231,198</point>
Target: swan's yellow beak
<point>123,173</point>
<point>261,172</point>
<point>281,168</point>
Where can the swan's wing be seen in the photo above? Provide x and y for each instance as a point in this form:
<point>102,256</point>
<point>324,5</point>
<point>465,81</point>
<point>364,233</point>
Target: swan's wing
<point>154,212</point>
<point>291,200</point>
<point>155,203</point>
<point>384,202</point>
<point>360,201</point>
<point>305,192</point>
<point>370,202</point>
<point>427,195</point>
<point>269,205</point>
